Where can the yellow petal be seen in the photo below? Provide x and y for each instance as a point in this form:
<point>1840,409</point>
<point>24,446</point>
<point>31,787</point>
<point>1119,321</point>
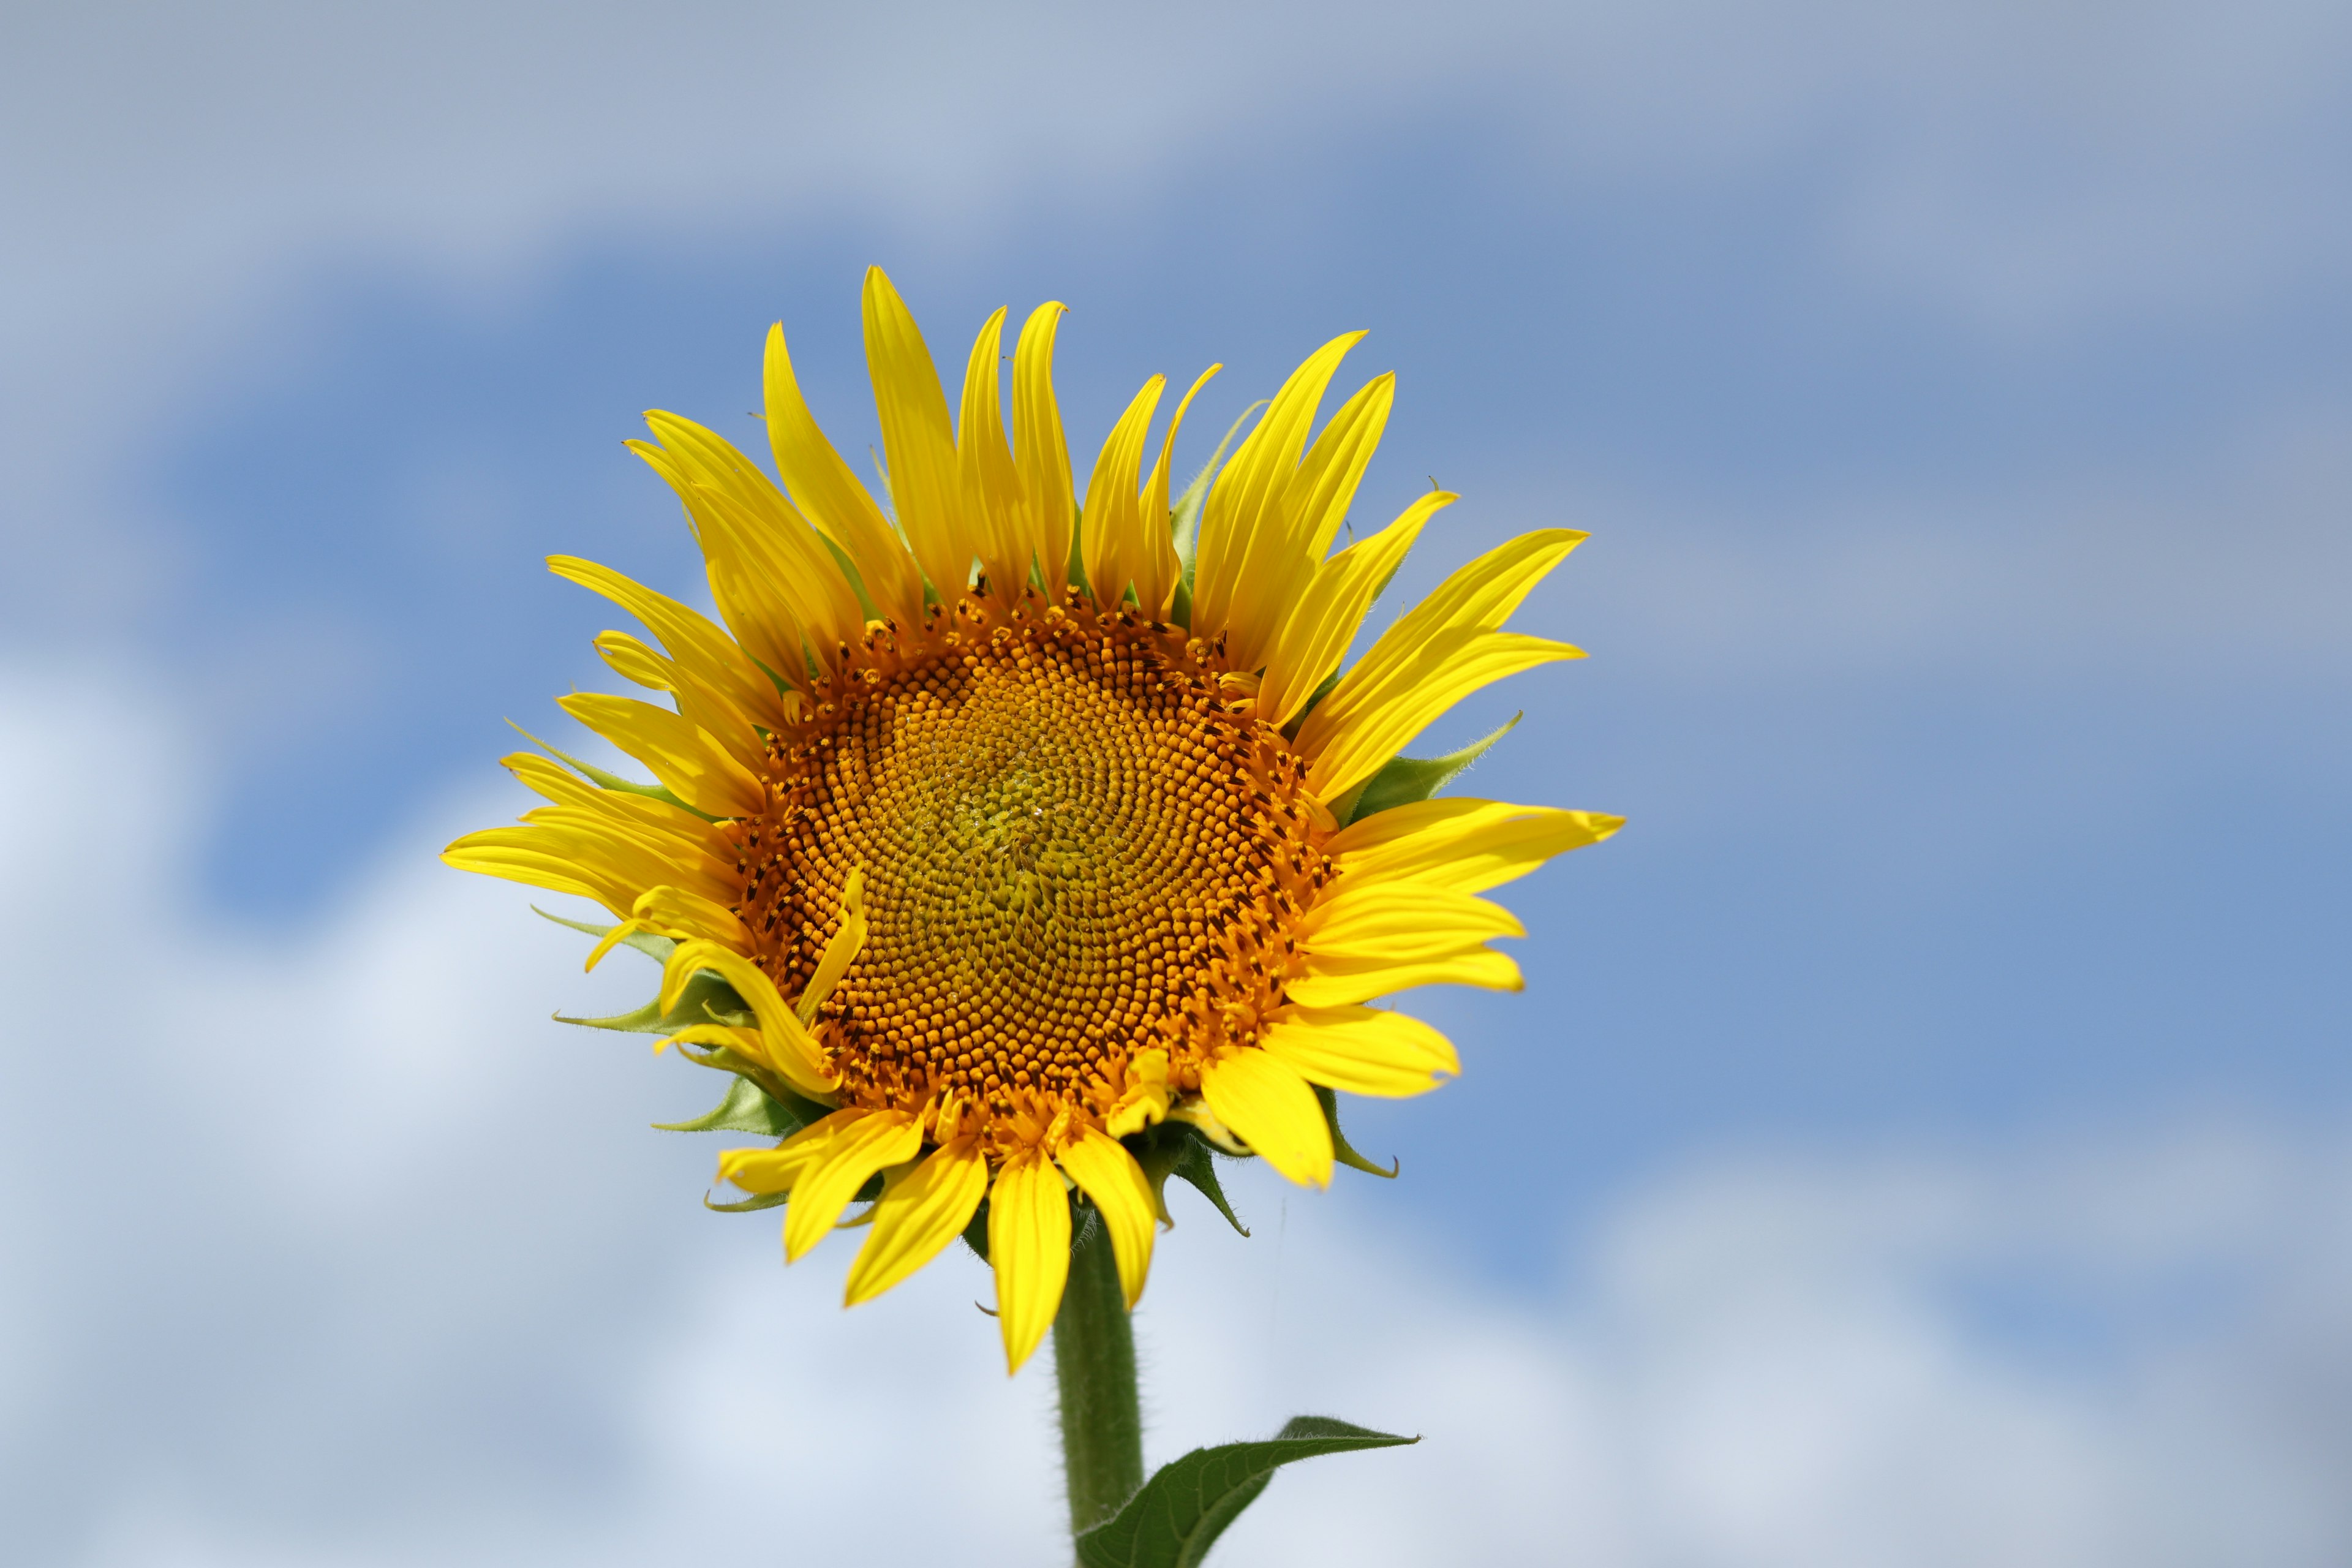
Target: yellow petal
<point>1463,846</point>
<point>656,818</point>
<point>1371,728</point>
<point>765,1171</point>
<point>686,758</point>
<point>675,912</point>
<point>1116,1185</point>
<point>918,439</point>
<point>778,585</point>
<point>1437,652</point>
<point>1270,1106</point>
<point>1317,632</point>
<point>1235,535</point>
<point>1048,501</point>
<point>487,854</point>
<point>852,1156</point>
<point>992,485</point>
<point>791,1049</point>
<point>841,949</point>
<point>831,497</point>
<point>1299,521</point>
<point>1362,1050</point>
<point>689,636</point>
<point>698,703</point>
<point>1402,921</point>
<point>775,578</point>
<point>918,1216</point>
<point>1156,577</point>
<point>1115,548</point>
<point>1029,1246</point>
<point>1317,498</point>
<point>1338,982</point>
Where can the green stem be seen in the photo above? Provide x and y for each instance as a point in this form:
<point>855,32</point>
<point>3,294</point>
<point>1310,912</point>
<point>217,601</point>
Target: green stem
<point>1094,1362</point>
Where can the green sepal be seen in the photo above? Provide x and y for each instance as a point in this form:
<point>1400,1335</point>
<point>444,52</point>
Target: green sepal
<point>975,1235</point>
<point>748,1108</point>
<point>705,999</point>
<point>1175,1149</point>
<point>1182,1510</point>
<point>1404,780</point>
<point>603,780</point>
<point>652,945</point>
<point>1343,1150</point>
<point>751,1204</point>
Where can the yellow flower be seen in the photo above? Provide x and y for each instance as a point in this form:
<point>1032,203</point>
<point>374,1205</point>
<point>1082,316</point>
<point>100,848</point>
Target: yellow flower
<point>1014,830</point>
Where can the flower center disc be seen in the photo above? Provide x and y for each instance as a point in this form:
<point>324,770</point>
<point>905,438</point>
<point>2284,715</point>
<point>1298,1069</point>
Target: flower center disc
<point>1073,849</point>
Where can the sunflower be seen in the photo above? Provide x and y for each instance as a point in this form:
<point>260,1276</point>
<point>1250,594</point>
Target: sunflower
<point>998,838</point>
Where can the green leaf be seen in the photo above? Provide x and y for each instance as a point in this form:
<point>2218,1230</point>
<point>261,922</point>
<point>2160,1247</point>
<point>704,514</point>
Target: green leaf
<point>748,1108</point>
<point>1341,1150</point>
<point>1405,780</point>
<point>1182,1510</point>
<point>1174,1149</point>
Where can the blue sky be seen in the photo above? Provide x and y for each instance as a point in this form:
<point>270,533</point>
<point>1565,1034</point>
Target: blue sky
<point>1958,403</point>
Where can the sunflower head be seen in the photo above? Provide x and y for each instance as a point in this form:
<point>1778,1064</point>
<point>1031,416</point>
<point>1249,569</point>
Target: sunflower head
<point>1000,838</point>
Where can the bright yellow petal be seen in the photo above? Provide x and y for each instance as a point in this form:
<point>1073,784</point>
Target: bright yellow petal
<point>1319,496</point>
<point>1462,846</point>
<point>686,758</point>
<point>992,485</point>
<point>765,1171</point>
<point>1361,738</point>
<point>829,494</point>
<point>1442,648</point>
<point>1331,981</point>
<point>1401,921</point>
<point>1240,531</point>
<point>1049,502</point>
<point>1115,548</point>
<point>1158,575</point>
<point>918,1216</point>
<point>1298,525</point>
<point>776,580</point>
<point>657,817</point>
<point>1316,634</point>
<point>1362,1050</point>
<point>841,949</point>
<point>1116,1185</point>
<point>491,853</point>
<point>1029,1246</point>
<point>918,439</point>
<point>698,703</point>
<point>791,1049</point>
<point>675,912</point>
<point>852,1156</point>
<point>1270,1106</point>
<point>689,636</point>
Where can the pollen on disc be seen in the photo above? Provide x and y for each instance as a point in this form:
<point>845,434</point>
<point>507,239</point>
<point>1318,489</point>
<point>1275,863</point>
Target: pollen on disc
<point>1073,848</point>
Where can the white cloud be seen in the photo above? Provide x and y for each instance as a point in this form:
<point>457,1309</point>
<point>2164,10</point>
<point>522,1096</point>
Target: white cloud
<point>323,1252</point>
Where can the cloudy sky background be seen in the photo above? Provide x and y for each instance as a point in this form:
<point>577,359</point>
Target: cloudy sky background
<point>1926,1136</point>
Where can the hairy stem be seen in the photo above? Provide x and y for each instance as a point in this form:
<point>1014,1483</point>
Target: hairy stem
<point>1094,1362</point>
